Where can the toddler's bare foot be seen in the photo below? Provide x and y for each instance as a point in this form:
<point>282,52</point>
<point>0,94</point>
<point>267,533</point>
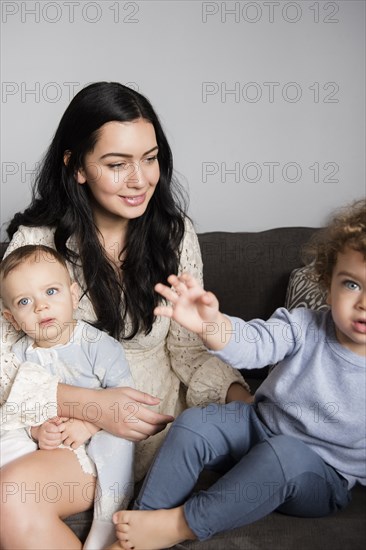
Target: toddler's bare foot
<point>151,530</point>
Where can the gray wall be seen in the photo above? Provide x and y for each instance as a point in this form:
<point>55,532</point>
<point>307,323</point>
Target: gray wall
<point>263,102</point>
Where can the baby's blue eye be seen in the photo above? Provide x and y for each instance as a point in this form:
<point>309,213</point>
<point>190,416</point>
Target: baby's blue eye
<point>351,285</point>
<point>51,291</point>
<point>24,302</point>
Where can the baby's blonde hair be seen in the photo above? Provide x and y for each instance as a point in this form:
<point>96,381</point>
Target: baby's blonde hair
<point>26,252</point>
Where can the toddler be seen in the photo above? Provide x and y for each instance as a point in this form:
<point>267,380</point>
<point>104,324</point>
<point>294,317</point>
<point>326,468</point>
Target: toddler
<point>300,447</point>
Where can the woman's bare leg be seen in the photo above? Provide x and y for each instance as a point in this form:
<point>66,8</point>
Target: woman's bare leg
<point>37,491</point>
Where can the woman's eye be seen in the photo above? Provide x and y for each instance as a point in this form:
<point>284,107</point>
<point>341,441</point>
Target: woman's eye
<point>51,291</point>
<point>351,285</point>
<point>24,301</point>
<point>150,160</point>
<point>118,166</point>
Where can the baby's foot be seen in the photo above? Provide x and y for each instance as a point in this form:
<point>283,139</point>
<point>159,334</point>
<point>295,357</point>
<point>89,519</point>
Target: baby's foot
<point>151,530</point>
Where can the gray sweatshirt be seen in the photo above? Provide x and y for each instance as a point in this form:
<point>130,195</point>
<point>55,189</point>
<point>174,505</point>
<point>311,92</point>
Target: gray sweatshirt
<point>316,390</point>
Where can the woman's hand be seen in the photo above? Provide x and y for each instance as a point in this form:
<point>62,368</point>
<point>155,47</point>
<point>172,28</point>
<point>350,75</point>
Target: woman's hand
<point>195,309</point>
<point>119,411</point>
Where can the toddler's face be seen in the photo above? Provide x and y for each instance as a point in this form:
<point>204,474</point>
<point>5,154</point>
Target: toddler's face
<point>347,298</point>
<point>39,299</point>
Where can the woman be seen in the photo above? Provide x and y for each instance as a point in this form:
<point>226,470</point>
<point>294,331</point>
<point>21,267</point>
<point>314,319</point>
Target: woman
<point>106,199</point>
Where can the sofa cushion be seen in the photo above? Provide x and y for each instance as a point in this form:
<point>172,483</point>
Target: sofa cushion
<point>303,290</point>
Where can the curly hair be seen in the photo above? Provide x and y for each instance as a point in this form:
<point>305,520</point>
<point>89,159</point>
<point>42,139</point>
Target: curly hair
<point>346,229</point>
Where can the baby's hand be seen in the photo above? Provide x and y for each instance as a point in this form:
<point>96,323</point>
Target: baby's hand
<point>76,432</point>
<point>48,434</point>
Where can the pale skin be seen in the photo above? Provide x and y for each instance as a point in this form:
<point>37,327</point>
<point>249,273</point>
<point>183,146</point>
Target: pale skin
<point>69,431</point>
<point>121,172</point>
<point>198,311</point>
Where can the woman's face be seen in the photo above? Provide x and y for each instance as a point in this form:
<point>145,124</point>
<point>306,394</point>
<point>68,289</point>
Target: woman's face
<point>122,171</point>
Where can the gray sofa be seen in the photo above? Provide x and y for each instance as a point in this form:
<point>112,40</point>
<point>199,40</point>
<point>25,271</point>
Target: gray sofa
<point>249,272</point>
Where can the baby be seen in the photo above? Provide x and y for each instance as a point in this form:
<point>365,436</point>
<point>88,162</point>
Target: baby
<point>39,300</point>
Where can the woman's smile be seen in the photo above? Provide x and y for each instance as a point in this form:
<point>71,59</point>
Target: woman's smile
<point>134,200</point>
<point>122,171</point>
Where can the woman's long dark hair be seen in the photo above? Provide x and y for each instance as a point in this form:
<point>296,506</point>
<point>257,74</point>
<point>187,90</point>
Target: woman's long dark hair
<point>152,240</point>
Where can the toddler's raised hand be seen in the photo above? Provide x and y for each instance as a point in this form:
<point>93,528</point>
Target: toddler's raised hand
<point>194,308</point>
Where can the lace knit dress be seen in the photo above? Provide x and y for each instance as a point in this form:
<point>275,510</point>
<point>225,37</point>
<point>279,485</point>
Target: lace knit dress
<point>170,362</point>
